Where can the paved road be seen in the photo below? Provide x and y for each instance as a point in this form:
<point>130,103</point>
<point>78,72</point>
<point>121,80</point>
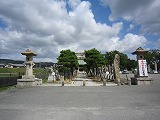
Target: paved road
<point>88,82</point>
<point>82,103</point>
<point>79,82</point>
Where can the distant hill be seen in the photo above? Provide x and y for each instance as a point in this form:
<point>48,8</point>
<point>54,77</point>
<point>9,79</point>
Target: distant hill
<point>43,64</point>
<point>7,61</point>
<point>37,64</point>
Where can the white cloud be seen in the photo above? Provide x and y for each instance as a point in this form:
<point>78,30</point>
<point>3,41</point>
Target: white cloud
<point>74,3</point>
<point>47,27</point>
<point>131,26</point>
<point>131,42</point>
<point>144,12</point>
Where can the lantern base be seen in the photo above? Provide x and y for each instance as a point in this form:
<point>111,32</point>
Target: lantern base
<point>28,82</point>
<point>141,81</point>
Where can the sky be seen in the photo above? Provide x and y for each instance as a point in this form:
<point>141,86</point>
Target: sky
<point>49,26</point>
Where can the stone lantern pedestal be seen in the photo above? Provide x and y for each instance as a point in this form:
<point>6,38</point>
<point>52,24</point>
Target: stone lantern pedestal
<point>29,79</point>
<point>141,77</point>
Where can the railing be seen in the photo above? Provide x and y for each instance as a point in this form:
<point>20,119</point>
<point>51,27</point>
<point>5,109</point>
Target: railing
<point>7,79</point>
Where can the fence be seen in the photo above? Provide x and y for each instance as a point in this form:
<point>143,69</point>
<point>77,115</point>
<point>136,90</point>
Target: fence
<point>7,79</point>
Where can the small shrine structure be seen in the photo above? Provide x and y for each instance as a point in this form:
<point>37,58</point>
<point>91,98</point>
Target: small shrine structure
<point>141,75</point>
<point>29,79</point>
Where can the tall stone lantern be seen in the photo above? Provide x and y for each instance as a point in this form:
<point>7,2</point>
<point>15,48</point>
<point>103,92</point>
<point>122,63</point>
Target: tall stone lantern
<point>29,63</point>
<point>141,76</point>
<point>29,79</point>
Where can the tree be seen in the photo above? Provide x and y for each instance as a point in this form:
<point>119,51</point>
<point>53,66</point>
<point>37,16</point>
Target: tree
<point>94,59</point>
<point>68,61</point>
<point>152,57</point>
<point>109,57</point>
<point>149,58</point>
<point>131,65</point>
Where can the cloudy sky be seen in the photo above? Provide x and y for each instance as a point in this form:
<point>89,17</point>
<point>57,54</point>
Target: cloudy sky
<point>49,26</point>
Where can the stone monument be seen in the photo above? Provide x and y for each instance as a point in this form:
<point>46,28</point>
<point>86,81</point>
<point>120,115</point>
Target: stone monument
<point>141,76</point>
<point>52,76</point>
<point>29,79</point>
<point>116,69</point>
<point>155,66</point>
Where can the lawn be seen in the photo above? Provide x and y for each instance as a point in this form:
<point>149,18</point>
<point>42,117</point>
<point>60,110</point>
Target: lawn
<point>5,88</point>
<point>7,72</point>
<point>13,72</point>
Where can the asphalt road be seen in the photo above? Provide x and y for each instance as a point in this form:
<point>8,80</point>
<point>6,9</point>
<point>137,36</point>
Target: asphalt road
<point>82,103</point>
<point>81,77</point>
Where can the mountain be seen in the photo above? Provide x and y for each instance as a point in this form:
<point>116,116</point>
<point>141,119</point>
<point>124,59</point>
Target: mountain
<point>37,64</point>
<point>7,61</point>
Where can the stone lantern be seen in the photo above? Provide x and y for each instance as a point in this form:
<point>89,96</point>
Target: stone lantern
<point>140,52</point>
<point>141,76</point>
<point>29,63</point>
<point>29,79</point>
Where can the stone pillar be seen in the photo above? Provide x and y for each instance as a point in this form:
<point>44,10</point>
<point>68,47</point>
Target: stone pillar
<point>52,75</point>
<point>62,80</point>
<point>29,69</point>
<point>84,83</point>
<point>155,66</point>
<point>149,68</point>
<point>104,82</point>
<point>116,69</point>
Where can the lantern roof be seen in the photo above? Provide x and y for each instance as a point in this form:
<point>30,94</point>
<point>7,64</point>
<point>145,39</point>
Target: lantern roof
<point>139,50</point>
<point>29,52</point>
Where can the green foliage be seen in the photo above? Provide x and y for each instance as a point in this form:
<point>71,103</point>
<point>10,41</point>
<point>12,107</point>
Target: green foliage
<point>8,72</point>
<point>149,57</point>
<point>131,64</point>
<point>41,71</point>
<point>109,57</point>
<point>12,70</point>
<point>153,56</point>
<point>44,80</point>
<point>93,59</point>
<point>4,88</point>
<point>21,71</point>
<point>68,60</point>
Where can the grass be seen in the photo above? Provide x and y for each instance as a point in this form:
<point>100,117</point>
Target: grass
<point>67,81</point>
<point>44,80</point>
<point>7,72</point>
<point>13,72</point>
<point>5,88</point>
<point>22,70</point>
<point>40,71</point>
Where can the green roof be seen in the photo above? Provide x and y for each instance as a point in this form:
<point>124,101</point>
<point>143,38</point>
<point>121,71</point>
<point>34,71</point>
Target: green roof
<point>81,62</point>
